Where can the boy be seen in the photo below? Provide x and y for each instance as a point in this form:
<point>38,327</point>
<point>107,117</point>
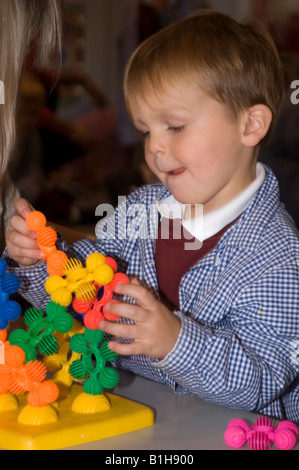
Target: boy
<point>204,93</point>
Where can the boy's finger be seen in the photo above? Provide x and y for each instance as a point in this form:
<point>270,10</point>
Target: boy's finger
<point>18,224</point>
<point>20,245</point>
<point>17,239</point>
<point>120,330</point>
<point>27,261</point>
<point>137,292</point>
<point>23,207</point>
<point>124,310</point>
<point>21,252</point>
<point>124,349</point>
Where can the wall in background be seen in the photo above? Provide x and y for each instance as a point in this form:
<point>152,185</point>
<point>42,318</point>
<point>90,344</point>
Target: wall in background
<point>102,20</point>
<point>235,8</point>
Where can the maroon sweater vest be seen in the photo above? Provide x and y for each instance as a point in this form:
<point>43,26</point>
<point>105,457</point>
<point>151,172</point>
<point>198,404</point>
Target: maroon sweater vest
<point>173,261</point>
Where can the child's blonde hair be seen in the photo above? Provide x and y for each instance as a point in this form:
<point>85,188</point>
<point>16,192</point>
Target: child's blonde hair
<point>22,23</point>
<point>236,64</point>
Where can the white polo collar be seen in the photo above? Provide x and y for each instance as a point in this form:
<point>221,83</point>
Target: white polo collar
<point>204,227</point>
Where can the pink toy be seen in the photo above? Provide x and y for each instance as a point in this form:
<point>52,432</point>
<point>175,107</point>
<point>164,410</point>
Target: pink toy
<point>261,435</point>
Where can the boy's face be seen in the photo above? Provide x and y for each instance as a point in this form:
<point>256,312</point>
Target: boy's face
<point>193,147</point>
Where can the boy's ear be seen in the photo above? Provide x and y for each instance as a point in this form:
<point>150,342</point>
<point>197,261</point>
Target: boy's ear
<point>257,121</point>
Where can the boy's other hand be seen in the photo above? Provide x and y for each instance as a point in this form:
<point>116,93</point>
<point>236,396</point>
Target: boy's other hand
<point>20,241</point>
<point>155,330</point>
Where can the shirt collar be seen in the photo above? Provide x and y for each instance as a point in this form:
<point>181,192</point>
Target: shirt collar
<point>204,227</point>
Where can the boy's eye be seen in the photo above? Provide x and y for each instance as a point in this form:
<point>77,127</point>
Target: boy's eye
<point>144,135</point>
<point>176,128</point>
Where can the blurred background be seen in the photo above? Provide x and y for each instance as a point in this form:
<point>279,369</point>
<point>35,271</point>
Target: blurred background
<point>76,146</point>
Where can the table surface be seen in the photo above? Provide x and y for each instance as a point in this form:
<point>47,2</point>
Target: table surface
<point>182,422</point>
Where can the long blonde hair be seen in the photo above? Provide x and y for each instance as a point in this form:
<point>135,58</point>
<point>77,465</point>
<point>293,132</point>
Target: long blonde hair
<point>22,23</point>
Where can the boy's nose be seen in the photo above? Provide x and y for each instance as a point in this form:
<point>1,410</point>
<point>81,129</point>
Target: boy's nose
<point>157,145</point>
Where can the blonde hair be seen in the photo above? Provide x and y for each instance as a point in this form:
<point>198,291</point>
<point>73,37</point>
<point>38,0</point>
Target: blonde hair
<point>236,64</point>
<point>23,23</point>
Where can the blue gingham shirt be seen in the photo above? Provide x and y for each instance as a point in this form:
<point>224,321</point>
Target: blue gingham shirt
<point>239,306</point>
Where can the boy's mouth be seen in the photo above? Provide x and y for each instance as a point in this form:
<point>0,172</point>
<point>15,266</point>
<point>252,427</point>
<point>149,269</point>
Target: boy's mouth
<point>176,172</point>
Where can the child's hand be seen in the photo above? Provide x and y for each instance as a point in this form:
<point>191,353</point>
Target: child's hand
<point>156,328</point>
<point>20,241</point>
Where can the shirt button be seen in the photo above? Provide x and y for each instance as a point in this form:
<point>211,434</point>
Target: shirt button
<point>217,260</point>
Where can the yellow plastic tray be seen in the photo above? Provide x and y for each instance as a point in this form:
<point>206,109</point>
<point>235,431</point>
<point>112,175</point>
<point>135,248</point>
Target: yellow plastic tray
<point>72,428</point>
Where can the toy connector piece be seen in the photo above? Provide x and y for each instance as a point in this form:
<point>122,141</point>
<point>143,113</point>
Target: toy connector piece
<point>80,280</point>
<point>3,335</point>
<point>91,404</point>
<point>285,437</point>
<point>40,336</point>
<point>261,435</point>
<point>10,310</point>
<point>46,238</point>
<point>94,312</point>
<point>59,363</point>
<point>236,434</point>
<point>92,366</point>
<point>17,378</point>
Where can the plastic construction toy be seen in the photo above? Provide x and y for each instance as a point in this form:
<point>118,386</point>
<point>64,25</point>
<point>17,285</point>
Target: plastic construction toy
<point>94,312</point>
<point>80,280</point>
<point>93,362</point>
<point>46,238</point>
<point>40,336</point>
<point>261,435</point>
<point>3,335</point>
<point>60,362</point>
<point>17,378</point>
<point>10,310</point>
<point>41,414</point>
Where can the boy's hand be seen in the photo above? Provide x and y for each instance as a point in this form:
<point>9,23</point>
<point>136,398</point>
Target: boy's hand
<point>155,331</point>
<point>20,241</point>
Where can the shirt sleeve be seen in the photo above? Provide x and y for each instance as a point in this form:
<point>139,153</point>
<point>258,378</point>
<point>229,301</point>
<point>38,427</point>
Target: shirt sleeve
<point>249,359</point>
<point>110,242</point>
